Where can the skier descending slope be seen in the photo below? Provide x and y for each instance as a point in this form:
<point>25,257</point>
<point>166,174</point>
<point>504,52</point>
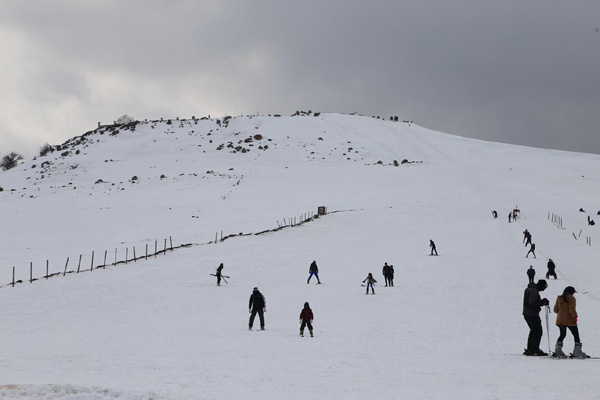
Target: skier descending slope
<point>370,281</point>
<point>532,305</point>
<point>257,305</point>
<point>306,319</point>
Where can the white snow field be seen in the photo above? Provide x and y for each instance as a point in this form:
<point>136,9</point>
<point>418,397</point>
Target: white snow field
<point>160,328</point>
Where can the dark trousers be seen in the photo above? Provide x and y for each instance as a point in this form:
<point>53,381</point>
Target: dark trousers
<point>551,273</point>
<point>370,285</point>
<point>433,250</point>
<point>531,278</point>
<point>306,322</point>
<point>261,316</point>
<point>563,333</point>
<point>532,252</point>
<point>391,279</point>
<point>387,281</point>
<point>311,275</point>
<point>535,333</point>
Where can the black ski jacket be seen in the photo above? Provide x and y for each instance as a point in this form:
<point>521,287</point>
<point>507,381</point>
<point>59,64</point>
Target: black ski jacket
<point>532,302</point>
<point>257,301</point>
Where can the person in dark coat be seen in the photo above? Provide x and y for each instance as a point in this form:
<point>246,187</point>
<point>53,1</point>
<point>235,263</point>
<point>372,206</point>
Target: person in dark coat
<point>527,238</point>
<point>531,250</point>
<point>433,249</point>
<point>219,272</point>
<point>313,270</point>
<point>257,305</point>
<point>532,305</point>
<point>509,216</point>
<point>494,214</point>
<point>386,274</point>
<point>391,276</point>
<point>525,234</point>
<point>370,281</point>
<point>531,273</point>
<point>306,319</point>
<point>551,269</point>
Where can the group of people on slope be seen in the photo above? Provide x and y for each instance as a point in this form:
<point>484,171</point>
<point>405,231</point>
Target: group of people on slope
<point>566,318</point>
<point>551,271</point>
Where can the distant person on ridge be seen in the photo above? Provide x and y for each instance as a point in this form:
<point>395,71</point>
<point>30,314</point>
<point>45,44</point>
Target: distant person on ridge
<point>313,270</point>
<point>257,305</point>
<point>532,305</point>
<point>433,249</point>
<point>566,317</point>
<point>370,281</point>
<point>306,319</point>
<point>531,273</point>
<point>551,269</point>
<point>386,274</point>
<point>531,250</point>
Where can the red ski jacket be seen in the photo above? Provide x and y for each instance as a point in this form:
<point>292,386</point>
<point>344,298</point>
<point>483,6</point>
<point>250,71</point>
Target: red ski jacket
<point>306,315</point>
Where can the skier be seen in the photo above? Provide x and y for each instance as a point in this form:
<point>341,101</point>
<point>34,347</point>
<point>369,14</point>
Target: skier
<point>531,273</point>
<point>386,274</point>
<point>566,317</point>
<point>527,238</point>
<point>370,281</point>
<point>551,269</point>
<point>433,249</point>
<point>532,305</point>
<point>257,305</point>
<point>219,272</point>
<point>313,270</point>
<point>306,319</point>
<point>531,250</point>
<point>391,276</point>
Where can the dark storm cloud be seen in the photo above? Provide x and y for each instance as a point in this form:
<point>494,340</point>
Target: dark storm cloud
<point>511,71</point>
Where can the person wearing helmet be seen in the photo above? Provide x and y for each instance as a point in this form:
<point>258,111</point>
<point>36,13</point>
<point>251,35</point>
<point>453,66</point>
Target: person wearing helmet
<point>257,305</point>
<point>566,318</point>
<point>306,319</point>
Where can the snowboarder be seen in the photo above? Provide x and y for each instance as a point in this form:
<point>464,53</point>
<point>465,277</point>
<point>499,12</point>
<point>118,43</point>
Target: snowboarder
<point>306,319</point>
<point>313,270</point>
<point>531,250</point>
<point>391,276</point>
<point>257,305</point>
<point>219,274</point>
<point>433,249</point>
<point>370,281</point>
<point>386,274</point>
<point>531,273</point>
<point>494,214</point>
<point>551,269</point>
<point>566,317</point>
<point>532,305</point>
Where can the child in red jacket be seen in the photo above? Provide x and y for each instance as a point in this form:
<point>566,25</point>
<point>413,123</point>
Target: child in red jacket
<point>306,318</point>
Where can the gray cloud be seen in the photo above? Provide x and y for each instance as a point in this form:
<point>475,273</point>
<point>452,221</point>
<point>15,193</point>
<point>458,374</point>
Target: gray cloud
<point>512,71</point>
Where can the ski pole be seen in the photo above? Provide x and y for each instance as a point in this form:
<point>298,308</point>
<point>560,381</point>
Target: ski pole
<point>548,327</point>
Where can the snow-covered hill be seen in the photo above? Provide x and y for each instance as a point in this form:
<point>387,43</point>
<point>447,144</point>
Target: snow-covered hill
<point>161,328</point>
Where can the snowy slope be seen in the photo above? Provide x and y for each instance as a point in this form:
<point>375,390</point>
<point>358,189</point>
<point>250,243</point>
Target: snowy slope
<point>161,328</point>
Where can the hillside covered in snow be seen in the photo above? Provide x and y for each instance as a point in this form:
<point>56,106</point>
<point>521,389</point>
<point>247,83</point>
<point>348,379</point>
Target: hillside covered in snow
<point>200,192</point>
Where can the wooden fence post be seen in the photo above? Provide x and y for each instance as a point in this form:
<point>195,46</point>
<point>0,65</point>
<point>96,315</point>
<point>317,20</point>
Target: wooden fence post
<point>92,264</point>
<point>47,268</point>
<point>105,253</point>
<point>165,250</point>
<point>155,248</point>
<point>171,240</point>
<point>13,282</point>
<point>30,272</point>
<point>115,256</point>
<point>126,254</point>
<point>79,265</point>
<point>67,263</point>
<point>146,251</point>
<point>134,258</point>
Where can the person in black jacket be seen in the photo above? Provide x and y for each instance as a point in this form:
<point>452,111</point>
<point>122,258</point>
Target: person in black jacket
<point>532,305</point>
<point>313,270</point>
<point>391,276</point>
<point>531,250</point>
<point>531,273</point>
<point>551,269</point>
<point>386,274</point>
<point>433,249</point>
<point>257,305</point>
<point>219,274</point>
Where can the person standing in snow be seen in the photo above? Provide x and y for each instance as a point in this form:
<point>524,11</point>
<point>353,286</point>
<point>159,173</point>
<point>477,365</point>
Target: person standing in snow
<point>306,319</point>
<point>527,238</point>
<point>370,281</point>
<point>551,269</point>
<point>386,274</point>
<point>532,305</point>
<point>433,249</point>
<point>494,214</point>
<point>313,270</point>
<point>257,305</point>
<point>509,216</point>
<point>219,272</point>
<point>566,317</point>
<point>531,250</point>
<point>391,276</point>
<point>531,273</point>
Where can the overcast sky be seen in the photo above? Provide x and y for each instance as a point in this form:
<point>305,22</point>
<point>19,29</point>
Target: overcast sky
<point>512,71</point>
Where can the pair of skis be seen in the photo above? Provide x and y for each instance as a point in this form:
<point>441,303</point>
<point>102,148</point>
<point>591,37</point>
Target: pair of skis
<point>222,277</point>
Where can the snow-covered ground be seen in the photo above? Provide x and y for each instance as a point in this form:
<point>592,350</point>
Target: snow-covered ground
<point>450,328</point>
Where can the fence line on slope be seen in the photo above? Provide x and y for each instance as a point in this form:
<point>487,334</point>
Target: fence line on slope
<point>287,222</point>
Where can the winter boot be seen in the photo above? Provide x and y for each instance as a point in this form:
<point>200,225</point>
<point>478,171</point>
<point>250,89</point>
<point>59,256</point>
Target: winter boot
<point>577,353</point>
<point>302,332</point>
<point>558,351</point>
<point>311,334</point>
